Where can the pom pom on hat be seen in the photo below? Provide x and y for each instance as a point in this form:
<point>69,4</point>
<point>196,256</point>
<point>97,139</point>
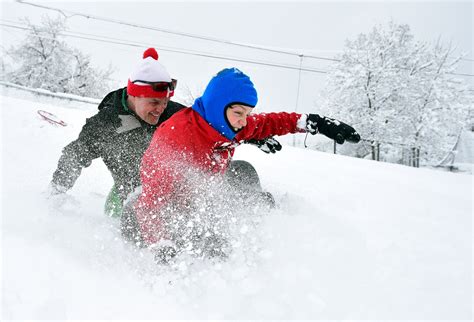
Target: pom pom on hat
<point>148,70</point>
<point>150,52</point>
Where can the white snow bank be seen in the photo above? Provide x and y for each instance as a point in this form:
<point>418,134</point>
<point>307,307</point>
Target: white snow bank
<point>352,239</point>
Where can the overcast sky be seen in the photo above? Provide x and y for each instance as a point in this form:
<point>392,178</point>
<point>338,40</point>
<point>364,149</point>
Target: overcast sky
<point>314,27</point>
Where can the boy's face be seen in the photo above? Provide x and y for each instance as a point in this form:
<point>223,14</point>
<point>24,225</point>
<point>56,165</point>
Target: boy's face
<point>147,108</point>
<point>237,116</point>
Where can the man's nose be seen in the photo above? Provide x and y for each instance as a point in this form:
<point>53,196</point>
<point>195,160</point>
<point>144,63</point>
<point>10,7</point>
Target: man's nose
<point>161,108</point>
<point>243,122</point>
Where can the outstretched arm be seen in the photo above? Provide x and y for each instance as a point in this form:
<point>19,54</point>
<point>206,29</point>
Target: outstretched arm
<point>77,155</point>
<point>261,126</point>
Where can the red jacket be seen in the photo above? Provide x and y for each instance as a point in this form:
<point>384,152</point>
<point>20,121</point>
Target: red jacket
<point>187,141</point>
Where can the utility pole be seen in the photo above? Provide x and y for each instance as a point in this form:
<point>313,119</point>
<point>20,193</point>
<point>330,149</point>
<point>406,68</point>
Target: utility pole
<point>298,91</point>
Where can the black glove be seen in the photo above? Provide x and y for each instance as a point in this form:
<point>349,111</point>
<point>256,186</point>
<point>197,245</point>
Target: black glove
<point>268,145</point>
<point>333,129</point>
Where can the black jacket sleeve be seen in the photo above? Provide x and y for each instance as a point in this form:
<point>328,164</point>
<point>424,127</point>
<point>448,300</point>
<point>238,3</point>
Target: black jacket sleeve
<point>80,153</point>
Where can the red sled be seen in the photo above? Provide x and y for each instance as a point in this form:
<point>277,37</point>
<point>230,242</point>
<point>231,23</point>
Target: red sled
<point>51,118</point>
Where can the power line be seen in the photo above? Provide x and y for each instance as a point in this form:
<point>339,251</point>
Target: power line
<point>184,34</point>
<point>174,50</point>
<point>112,40</point>
<point>173,32</point>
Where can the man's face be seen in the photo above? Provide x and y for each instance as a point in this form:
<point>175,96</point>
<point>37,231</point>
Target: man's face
<point>147,108</point>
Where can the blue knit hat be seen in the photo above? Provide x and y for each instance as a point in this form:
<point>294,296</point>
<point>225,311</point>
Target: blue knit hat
<point>229,86</point>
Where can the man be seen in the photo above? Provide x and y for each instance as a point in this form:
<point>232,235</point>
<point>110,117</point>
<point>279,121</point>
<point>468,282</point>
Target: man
<point>121,132</point>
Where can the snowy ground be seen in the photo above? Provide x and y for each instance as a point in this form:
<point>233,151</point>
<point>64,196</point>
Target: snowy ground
<point>352,239</point>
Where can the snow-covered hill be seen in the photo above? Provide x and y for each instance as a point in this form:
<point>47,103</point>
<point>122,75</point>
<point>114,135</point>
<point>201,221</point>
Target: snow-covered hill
<point>352,239</point>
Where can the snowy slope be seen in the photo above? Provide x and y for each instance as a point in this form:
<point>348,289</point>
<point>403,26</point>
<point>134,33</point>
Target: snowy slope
<point>352,239</point>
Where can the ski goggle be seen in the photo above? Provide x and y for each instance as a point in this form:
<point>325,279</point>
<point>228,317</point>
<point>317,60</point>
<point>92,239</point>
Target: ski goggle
<point>160,86</point>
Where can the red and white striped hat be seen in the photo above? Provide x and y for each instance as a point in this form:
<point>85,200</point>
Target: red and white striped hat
<point>151,71</point>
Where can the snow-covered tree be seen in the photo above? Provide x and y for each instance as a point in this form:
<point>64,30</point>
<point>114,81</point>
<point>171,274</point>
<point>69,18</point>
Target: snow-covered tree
<point>2,69</point>
<point>187,95</point>
<point>440,104</point>
<point>399,93</point>
<point>44,61</point>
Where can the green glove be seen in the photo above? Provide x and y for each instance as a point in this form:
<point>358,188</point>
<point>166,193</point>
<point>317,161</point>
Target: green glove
<point>113,204</point>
